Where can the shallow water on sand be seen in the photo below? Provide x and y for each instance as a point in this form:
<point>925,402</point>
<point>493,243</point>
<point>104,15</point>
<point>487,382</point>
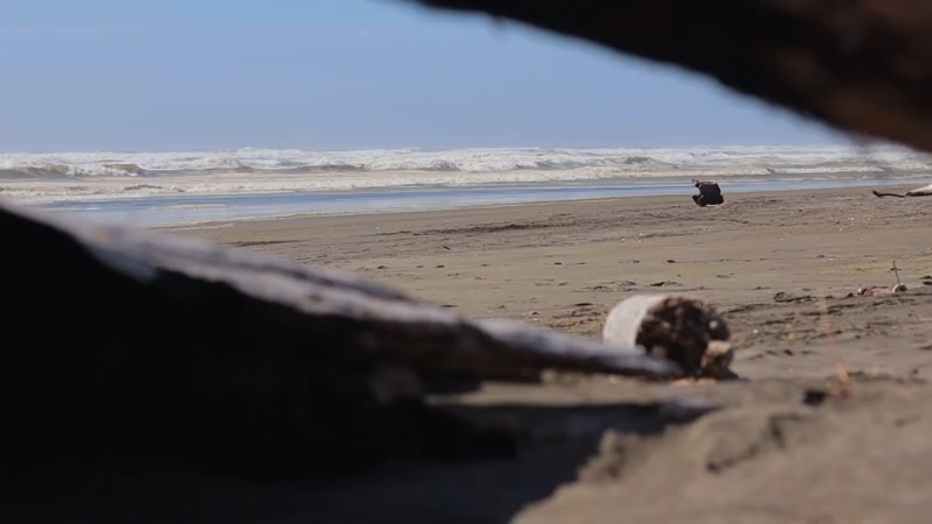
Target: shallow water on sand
<point>164,211</point>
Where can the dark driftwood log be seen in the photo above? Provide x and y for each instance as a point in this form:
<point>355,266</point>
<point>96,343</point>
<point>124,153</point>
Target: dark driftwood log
<point>863,66</point>
<point>120,339</point>
<point>880,194</point>
<point>709,193</point>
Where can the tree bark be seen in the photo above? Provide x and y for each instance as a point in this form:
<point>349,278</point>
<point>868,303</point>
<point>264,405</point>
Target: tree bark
<point>864,67</point>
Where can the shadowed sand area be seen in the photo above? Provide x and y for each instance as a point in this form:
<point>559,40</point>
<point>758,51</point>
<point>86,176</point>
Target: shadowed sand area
<point>783,451</point>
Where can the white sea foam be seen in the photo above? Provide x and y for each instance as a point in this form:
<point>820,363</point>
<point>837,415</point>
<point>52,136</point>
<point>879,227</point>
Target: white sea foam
<point>82,176</point>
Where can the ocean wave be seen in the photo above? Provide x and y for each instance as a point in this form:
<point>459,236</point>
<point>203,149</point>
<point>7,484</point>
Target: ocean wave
<point>748,160</point>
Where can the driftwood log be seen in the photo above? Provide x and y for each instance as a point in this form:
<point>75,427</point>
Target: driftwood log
<point>864,67</point>
<point>126,340</point>
<point>918,192</point>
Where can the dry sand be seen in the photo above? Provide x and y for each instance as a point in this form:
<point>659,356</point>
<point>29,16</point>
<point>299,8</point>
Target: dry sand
<point>781,453</point>
<point>564,265</point>
<point>763,259</point>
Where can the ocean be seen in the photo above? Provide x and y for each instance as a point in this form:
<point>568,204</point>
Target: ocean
<point>180,187</point>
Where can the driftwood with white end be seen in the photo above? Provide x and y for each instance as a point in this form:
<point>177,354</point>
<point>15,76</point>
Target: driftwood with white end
<point>918,192</point>
<point>684,330</point>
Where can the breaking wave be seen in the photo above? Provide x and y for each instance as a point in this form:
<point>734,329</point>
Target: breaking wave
<point>620,162</point>
<point>48,177</point>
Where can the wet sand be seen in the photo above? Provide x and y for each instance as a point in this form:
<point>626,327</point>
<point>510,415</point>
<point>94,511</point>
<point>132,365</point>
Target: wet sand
<point>785,450</point>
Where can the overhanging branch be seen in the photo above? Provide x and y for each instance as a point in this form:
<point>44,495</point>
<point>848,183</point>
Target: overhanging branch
<point>860,66</point>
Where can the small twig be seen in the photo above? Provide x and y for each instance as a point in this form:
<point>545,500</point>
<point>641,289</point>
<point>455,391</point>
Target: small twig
<point>841,369</point>
<point>899,287</point>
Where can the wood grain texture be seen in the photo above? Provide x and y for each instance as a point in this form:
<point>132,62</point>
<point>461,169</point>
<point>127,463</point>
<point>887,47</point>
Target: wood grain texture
<point>154,342</point>
<point>863,66</point>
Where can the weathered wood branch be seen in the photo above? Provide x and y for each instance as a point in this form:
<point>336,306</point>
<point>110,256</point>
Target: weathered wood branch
<point>864,66</point>
<point>918,192</point>
<point>127,339</point>
<point>321,314</point>
<point>881,194</point>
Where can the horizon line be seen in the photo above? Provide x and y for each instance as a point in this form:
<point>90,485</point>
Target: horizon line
<point>118,29</point>
<point>853,146</point>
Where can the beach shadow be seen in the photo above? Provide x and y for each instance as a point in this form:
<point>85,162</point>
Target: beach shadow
<point>435,477</point>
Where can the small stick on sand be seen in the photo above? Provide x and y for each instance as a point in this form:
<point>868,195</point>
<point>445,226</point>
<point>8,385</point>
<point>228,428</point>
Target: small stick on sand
<point>841,368</point>
<point>880,291</point>
<point>879,194</point>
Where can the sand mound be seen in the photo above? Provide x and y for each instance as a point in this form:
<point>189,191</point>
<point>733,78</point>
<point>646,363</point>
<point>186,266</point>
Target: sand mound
<point>782,451</point>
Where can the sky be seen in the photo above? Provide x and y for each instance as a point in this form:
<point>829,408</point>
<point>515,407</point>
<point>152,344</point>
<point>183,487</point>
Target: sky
<point>164,75</point>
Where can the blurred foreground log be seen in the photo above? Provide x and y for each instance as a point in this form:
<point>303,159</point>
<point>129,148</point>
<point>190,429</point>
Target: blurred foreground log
<point>127,340</point>
<point>864,67</point>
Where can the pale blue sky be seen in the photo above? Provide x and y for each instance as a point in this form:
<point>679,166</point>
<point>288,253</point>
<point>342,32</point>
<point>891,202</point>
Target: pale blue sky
<point>339,74</point>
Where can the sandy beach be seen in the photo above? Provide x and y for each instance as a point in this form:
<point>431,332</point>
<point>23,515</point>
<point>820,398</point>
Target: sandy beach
<point>763,259</point>
<point>785,451</point>
<point>259,263</point>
